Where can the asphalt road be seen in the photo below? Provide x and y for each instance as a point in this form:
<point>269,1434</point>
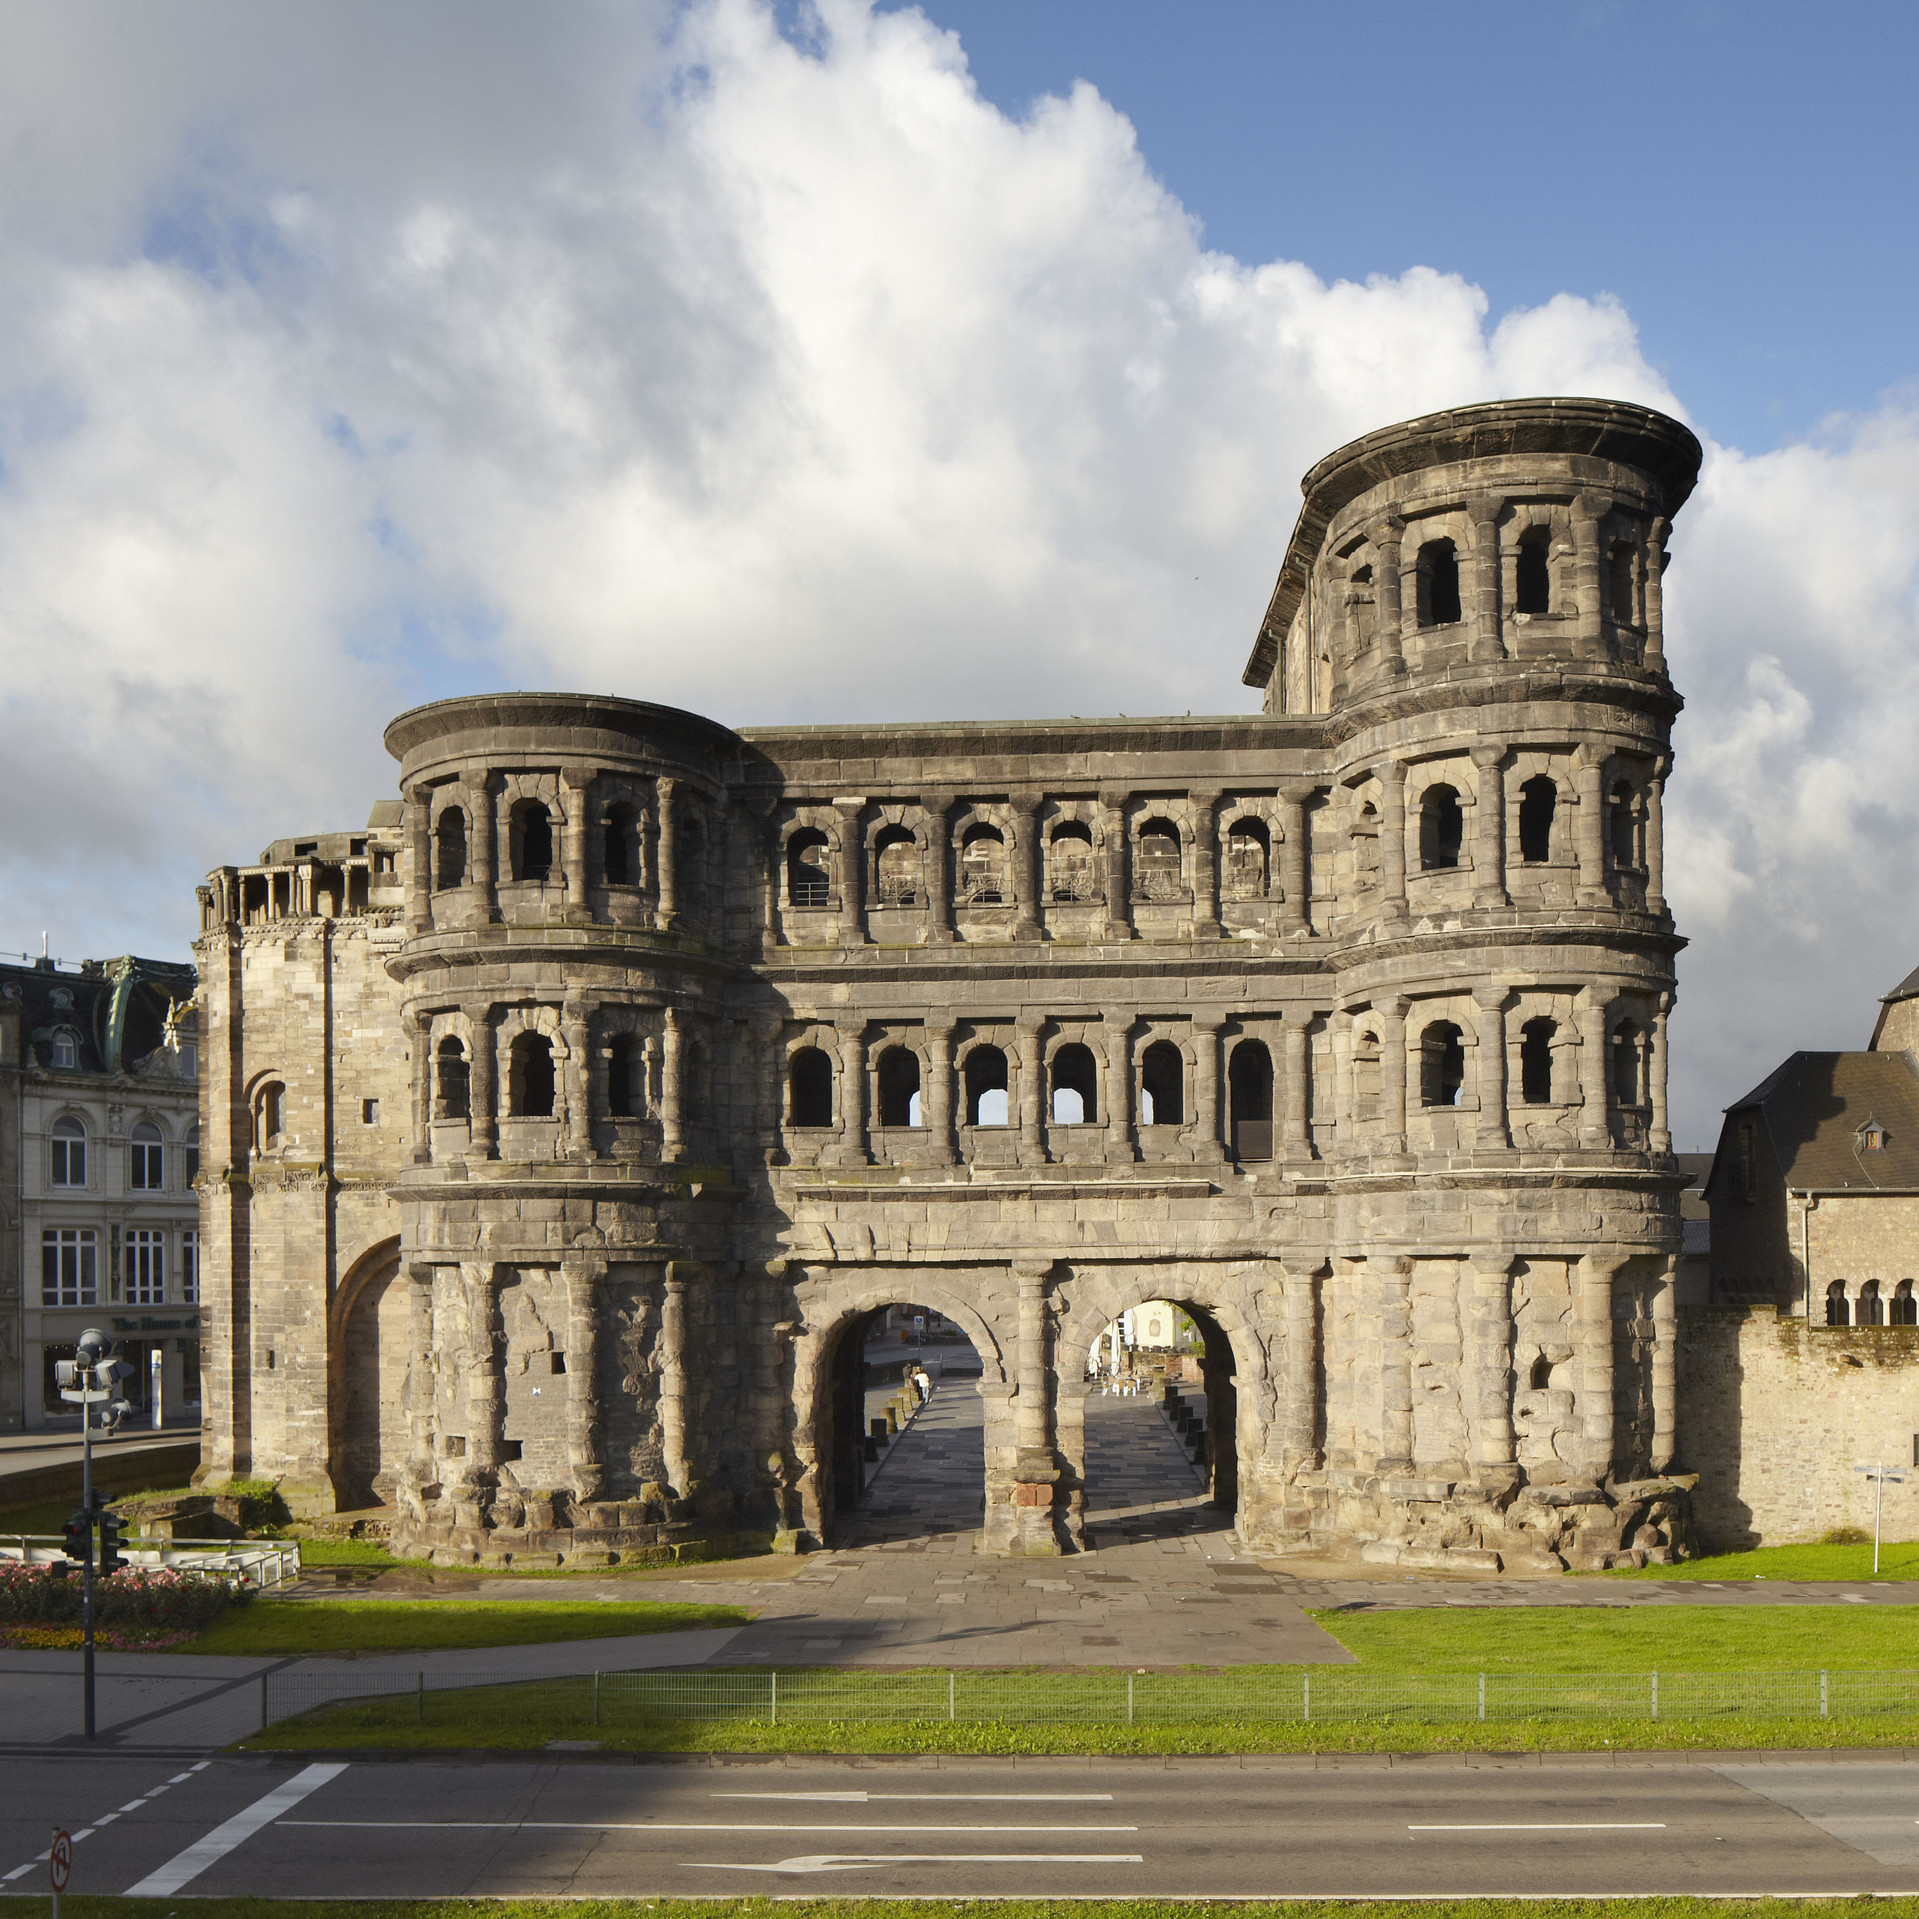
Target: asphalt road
<point>244,1825</point>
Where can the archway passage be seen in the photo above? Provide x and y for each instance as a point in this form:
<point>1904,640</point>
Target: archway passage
<point>927,1480</point>
<point>373,1434</point>
<point>1161,1426</point>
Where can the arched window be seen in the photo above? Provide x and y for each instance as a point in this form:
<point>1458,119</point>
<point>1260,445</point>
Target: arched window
<point>1075,1083</point>
<point>809,1080</point>
<point>1534,585</point>
<point>1442,829</point>
<point>897,867</point>
<point>1872,1311</point>
<point>269,1116</point>
<point>1442,1064</point>
<point>529,1082</point>
<point>193,1152</point>
<point>1157,864</point>
<point>620,849</point>
<point>982,867</point>
<point>1249,1089</point>
<point>449,850</point>
<point>146,1158</point>
<point>899,1086</point>
<point>1623,827</point>
<point>1162,1084</point>
<point>986,1087</point>
<point>808,882</point>
<point>532,841</point>
<point>623,1062</point>
<point>66,1050</point>
<point>1624,582</point>
<point>452,1081</point>
<point>1628,1066</point>
<point>1072,862</point>
<point>1438,583</point>
<point>1836,1313</point>
<point>1540,1378</point>
<point>1247,850</point>
<point>1904,1309</point>
<point>67,1153</point>
<point>1536,1062</point>
<point>1538,801</point>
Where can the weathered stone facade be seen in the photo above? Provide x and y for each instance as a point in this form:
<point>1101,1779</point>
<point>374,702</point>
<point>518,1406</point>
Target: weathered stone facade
<point>1342,1025</point>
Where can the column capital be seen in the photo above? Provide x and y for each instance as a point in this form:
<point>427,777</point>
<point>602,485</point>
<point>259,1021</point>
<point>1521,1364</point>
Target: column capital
<point>1298,792</point>
<point>1388,529</point>
<point>1489,754</point>
<point>1491,997</point>
<point>1484,508</point>
<point>420,793</point>
<point>579,778</point>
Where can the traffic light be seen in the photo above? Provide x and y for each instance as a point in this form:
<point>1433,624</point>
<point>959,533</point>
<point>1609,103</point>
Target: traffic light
<point>111,1558</point>
<point>79,1538</point>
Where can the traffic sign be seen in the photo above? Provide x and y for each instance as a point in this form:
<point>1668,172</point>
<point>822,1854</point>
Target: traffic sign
<point>60,1860</point>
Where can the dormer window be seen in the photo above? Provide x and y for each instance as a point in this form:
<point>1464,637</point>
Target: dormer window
<point>66,1051</point>
<point>1872,1137</point>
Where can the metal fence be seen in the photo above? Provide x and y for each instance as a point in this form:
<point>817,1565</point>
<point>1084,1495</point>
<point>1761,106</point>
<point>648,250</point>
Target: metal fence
<point>633,1701</point>
<point>251,1562</point>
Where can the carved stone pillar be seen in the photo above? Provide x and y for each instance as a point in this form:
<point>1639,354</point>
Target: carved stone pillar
<point>672,1107</point>
<point>1120,1150</point>
<point>1489,1023</point>
<point>483,855</point>
<point>854,1149</point>
<point>583,1375</point>
<point>1345,1109</point>
<point>485,1388</point>
<point>1588,510</point>
<point>1207,1146</point>
<point>1656,837</point>
<point>1665,1355</point>
<point>1589,826</point>
<point>939,868</point>
<point>1484,513</point>
<point>1492,1361</point>
<point>1655,654</point>
<point>419,832</point>
<point>1298,1413</point>
<point>1295,916</point>
<point>1114,876</point>
<point>1593,1333</point>
<point>1036,1471</point>
<point>666,808</point>
<point>1660,1135</point>
<point>852,872</point>
<point>575,1081</point>
<point>420,1025</point>
<point>576,783</point>
<point>1393,1294</point>
<point>422,1352</point>
<point>1031,1093</point>
<point>1589,1015</point>
<point>1392,840</point>
<point>675,1438</point>
<point>1296,1066</point>
<point>1386,536</point>
<point>1028,867</point>
<point>483,1134</point>
<point>937,1107</point>
<point>1206,865</point>
<point>1489,828</point>
<point>1392,1073</point>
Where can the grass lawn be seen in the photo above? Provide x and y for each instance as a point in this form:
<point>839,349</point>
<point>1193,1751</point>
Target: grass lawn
<point>830,1907</point>
<point>1848,1563</point>
<point>275,1626</point>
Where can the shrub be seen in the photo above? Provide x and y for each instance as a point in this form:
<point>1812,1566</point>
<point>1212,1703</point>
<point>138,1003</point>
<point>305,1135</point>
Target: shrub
<point>146,1598</point>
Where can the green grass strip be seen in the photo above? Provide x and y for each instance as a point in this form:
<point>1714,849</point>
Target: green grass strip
<point>278,1626</point>
<point>1848,1564</point>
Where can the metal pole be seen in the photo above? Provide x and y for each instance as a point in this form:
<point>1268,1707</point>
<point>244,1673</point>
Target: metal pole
<point>1482,1697</point>
<point>1878,1503</point>
<point>86,1567</point>
<point>775,1697</point>
<point>952,1705</point>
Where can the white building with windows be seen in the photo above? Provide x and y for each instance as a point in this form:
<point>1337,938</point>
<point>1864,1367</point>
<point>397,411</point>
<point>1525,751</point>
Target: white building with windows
<point>99,1152</point>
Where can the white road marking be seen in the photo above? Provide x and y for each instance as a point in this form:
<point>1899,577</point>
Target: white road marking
<point>1612,1825</point>
<point>641,1825</point>
<point>215,1846</point>
<point>133,1805</point>
<point>867,1798</point>
<point>19,1872</point>
<point>868,1861</point>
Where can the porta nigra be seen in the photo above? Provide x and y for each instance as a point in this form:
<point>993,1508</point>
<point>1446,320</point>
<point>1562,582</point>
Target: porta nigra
<point>566,1126</point>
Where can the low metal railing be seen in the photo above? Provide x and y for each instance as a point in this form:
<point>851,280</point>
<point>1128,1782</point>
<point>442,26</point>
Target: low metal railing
<point>250,1562</point>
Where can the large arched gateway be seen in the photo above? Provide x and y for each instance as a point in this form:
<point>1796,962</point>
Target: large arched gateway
<point>667,1052</point>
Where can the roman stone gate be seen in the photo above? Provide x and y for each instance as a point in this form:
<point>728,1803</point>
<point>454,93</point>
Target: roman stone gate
<point>626,1062</point>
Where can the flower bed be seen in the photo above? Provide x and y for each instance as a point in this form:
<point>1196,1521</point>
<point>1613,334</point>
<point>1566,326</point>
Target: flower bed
<point>137,1600</point>
<point>69,1639</point>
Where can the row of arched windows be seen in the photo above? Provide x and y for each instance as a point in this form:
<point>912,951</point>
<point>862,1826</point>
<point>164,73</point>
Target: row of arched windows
<point>1442,825</point>
<point>1436,573</point>
<point>1442,1064</point>
<point>530,845</point>
<point>67,1144</point>
<point>1872,1308</point>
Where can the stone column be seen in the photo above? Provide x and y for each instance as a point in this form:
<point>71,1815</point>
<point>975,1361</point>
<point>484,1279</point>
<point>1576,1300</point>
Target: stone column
<point>1489,828</point>
<point>576,782</point>
<point>672,1111</point>
<point>1660,1134</point>
<point>766,1030</point>
<point>420,1025</point>
<point>1296,1087</point>
<point>1206,865</point>
<point>1386,535</point>
<point>1031,1093</point>
<point>1589,826</point>
<point>1656,837</point>
<point>575,1081</point>
<point>1492,1360</point>
<point>583,1375</point>
<point>422,1349</point>
<point>1489,1024</point>
<point>939,868</point>
<point>852,872</point>
<point>1208,1149</point>
<point>1484,513</point>
<point>1036,1472</point>
<point>1114,876</point>
<point>483,1135</point>
<point>1392,840</point>
<point>485,1389</point>
<point>936,1108</point>
<point>854,1147</point>
<point>1665,1355</point>
<point>483,852</point>
<point>1393,1281</point>
<point>675,1439</point>
<point>1392,1073</point>
<point>1593,1333</point>
<point>419,897</point>
<point>1589,1014</point>
<point>1028,867</point>
<point>666,809</point>
<point>1655,654</point>
<point>1120,1150</point>
<point>1295,916</point>
<point>1588,510</point>
<point>1298,1422</point>
<point>1345,1108</point>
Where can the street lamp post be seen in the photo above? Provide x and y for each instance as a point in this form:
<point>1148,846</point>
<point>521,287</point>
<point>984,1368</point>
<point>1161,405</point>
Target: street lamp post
<point>91,1378</point>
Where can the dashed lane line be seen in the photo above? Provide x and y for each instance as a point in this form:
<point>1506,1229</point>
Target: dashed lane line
<point>106,1819</point>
